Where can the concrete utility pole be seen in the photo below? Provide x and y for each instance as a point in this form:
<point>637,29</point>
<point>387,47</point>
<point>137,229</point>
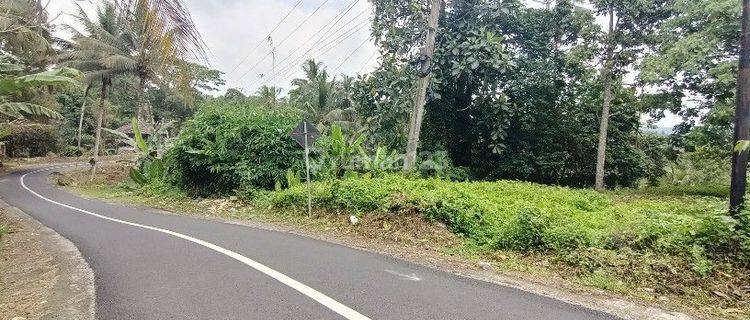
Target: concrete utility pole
<point>417,113</point>
<point>741,117</point>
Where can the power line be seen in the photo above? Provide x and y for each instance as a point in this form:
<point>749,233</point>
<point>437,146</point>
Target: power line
<point>264,38</point>
<point>320,34</point>
<point>287,37</point>
<point>325,49</point>
<point>315,46</point>
<point>328,46</point>
<point>349,56</point>
<point>367,62</point>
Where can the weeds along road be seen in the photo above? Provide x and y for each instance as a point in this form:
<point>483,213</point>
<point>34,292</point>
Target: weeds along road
<point>155,266</point>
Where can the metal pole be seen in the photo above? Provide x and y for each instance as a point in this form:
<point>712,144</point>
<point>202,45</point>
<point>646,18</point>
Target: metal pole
<point>307,167</point>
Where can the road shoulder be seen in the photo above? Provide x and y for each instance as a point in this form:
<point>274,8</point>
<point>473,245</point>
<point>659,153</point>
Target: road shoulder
<point>402,237</point>
<point>42,274</point>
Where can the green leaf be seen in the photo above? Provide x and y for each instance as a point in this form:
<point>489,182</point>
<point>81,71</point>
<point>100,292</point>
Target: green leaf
<point>19,110</point>
<point>124,138</point>
<point>139,142</point>
<point>155,169</point>
<point>137,176</point>
<point>742,146</point>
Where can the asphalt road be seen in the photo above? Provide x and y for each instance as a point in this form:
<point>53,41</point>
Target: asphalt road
<point>154,266</point>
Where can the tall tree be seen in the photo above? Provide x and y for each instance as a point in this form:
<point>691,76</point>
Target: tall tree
<point>25,50</point>
<point>741,117</point>
<point>161,33</point>
<point>106,82</point>
<point>630,24</point>
<point>606,76</point>
<point>25,32</point>
<point>99,53</point>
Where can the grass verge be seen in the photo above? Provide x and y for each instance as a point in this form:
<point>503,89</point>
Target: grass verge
<point>664,250</point>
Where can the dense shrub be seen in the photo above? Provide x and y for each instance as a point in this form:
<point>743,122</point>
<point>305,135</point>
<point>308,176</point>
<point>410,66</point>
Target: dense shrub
<point>30,140</point>
<point>531,217</point>
<point>234,145</point>
<point>703,190</point>
<point>698,168</point>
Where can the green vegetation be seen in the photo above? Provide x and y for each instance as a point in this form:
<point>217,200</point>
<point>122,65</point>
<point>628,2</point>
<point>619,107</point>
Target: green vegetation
<point>30,140</point>
<point>526,217</point>
<point>520,101</point>
<point>232,146</point>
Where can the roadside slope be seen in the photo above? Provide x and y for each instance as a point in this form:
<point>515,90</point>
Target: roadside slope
<point>146,274</point>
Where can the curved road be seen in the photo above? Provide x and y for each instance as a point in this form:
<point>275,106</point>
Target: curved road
<point>154,266</point>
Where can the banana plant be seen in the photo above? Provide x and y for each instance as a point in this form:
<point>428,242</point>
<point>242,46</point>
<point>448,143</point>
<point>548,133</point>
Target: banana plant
<point>149,166</point>
<point>12,84</point>
<point>338,153</point>
<point>381,161</point>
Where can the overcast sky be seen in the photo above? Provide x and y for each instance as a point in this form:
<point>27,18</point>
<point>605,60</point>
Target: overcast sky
<point>235,31</point>
<point>233,28</point>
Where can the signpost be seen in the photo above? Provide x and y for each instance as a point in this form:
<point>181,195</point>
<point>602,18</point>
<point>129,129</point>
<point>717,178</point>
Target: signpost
<point>305,134</point>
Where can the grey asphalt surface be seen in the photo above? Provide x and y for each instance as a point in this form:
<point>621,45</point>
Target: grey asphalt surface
<point>144,274</point>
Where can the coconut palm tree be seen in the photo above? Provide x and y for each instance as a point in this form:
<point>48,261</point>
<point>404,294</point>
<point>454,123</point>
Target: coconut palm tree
<point>95,53</point>
<point>269,96</point>
<point>141,38</point>
<point>159,34</point>
<point>134,37</point>
<point>324,102</point>
<point>25,32</point>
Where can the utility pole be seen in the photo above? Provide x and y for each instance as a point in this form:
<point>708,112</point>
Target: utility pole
<point>417,113</point>
<point>741,117</point>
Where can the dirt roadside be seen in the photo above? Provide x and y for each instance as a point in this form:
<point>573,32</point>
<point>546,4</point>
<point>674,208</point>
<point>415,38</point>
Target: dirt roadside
<point>42,274</point>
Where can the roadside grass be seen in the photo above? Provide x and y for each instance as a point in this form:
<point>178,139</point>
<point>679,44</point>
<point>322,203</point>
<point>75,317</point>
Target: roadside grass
<point>667,250</point>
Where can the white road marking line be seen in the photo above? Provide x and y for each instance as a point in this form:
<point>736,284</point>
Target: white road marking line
<point>321,298</point>
<point>410,277</point>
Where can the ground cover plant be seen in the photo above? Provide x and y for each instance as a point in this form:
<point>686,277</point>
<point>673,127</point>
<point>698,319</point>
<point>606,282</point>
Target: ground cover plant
<point>684,245</point>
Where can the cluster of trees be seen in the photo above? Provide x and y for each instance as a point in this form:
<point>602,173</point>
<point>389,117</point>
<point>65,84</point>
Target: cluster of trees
<point>550,95</point>
<point>133,58</point>
<point>554,93</point>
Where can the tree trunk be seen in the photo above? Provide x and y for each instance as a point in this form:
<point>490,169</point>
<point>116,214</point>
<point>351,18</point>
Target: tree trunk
<point>741,117</point>
<point>144,114</point>
<point>601,154</point>
<point>83,111</point>
<point>98,132</point>
<point>417,113</point>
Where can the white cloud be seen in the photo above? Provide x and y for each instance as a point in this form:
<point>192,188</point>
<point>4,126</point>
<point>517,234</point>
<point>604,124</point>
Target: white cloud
<point>231,28</point>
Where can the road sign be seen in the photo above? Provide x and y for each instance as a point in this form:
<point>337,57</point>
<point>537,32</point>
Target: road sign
<point>305,134</point>
<point>303,129</point>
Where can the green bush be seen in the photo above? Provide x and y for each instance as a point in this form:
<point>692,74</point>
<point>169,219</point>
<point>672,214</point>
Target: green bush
<point>72,151</point>
<point>704,190</point>
<point>698,168</point>
<point>531,217</point>
<point>234,145</point>
<point>30,140</point>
